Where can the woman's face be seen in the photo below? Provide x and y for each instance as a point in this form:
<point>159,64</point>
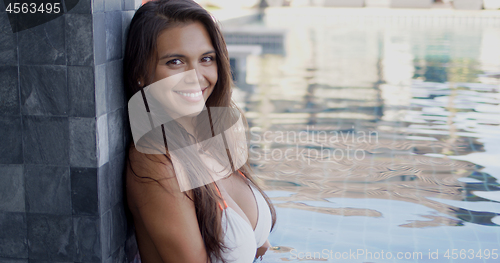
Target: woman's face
<point>186,72</point>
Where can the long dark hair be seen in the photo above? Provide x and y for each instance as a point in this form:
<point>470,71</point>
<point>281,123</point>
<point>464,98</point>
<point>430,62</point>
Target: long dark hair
<point>139,62</point>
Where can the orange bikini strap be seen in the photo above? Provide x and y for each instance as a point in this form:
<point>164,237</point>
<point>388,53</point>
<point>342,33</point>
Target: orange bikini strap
<point>218,191</point>
<point>241,173</point>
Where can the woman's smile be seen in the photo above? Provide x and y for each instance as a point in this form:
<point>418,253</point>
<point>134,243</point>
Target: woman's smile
<point>191,95</point>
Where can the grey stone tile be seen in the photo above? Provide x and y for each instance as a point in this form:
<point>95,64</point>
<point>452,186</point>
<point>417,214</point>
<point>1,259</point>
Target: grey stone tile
<point>119,226</point>
<point>13,23</point>
<point>8,42</point>
<point>102,140</point>
<point>84,196</point>
<point>117,256</point>
<point>11,145</point>
<point>116,179</point>
<point>70,5</point>
<point>131,4</point>
<point>43,44</point>
<point>128,4</point>
<point>115,132</point>
<point>12,188</point>
<point>81,7</point>
<point>81,91</point>
<point>11,260</point>
<point>99,24</point>
<point>48,189</point>
<point>82,142</point>
<point>9,90</point>
<point>46,140</point>
<point>46,261</point>
<point>13,235</point>
<point>87,238</point>
<point>97,6</point>
<point>115,93</point>
<point>126,18</point>
<point>51,237</point>
<point>79,47</point>
<point>106,232</point>
<point>43,90</point>
<point>100,90</point>
<point>113,24</point>
<point>104,176</point>
<point>112,5</point>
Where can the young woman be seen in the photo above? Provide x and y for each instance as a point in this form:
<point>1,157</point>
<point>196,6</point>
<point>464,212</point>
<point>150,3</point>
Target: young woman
<point>179,215</point>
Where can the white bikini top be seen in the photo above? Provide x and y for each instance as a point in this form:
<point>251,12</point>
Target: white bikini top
<point>240,238</point>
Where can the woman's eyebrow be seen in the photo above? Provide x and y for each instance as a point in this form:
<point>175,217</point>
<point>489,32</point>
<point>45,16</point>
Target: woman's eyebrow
<point>183,56</point>
<point>172,55</point>
<point>208,52</point>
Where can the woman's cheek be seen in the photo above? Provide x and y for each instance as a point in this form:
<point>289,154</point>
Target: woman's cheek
<point>214,75</point>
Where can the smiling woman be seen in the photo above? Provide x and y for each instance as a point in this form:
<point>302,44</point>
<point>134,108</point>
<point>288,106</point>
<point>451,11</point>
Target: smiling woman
<point>176,59</point>
<point>182,48</point>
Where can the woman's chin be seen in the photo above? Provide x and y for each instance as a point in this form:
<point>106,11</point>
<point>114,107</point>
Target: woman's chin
<point>192,111</point>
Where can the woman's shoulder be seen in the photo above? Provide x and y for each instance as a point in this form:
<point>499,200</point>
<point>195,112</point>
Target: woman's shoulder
<point>157,166</point>
<point>148,175</point>
<point>164,215</point>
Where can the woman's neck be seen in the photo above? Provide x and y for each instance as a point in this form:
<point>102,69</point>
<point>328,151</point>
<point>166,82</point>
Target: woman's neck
<point>187,123</point>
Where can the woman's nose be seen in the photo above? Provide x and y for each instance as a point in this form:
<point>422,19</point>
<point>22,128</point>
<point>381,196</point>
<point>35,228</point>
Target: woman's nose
<point>201,79</point>
<point>194,76</point>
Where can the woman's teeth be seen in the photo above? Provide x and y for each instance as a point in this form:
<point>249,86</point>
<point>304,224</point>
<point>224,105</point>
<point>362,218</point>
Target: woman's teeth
<point>192,95</point>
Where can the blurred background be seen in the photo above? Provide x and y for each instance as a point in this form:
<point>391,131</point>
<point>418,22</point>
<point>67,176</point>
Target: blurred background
<point>403,94</point>
<point>374,127</point>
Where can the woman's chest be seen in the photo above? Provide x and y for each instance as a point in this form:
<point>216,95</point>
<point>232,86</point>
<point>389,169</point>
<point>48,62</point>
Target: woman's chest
<point>240,197</point>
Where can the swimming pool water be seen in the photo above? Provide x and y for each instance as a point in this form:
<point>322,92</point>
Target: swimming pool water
<point>376,135</point>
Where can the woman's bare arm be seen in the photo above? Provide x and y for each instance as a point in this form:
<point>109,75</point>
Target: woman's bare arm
<point>167,215</point>
<point>263,249</point>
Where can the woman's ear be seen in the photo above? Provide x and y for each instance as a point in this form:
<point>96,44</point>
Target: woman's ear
<point>140,82</point>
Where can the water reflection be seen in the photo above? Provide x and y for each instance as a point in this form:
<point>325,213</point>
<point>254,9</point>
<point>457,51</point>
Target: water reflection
<point>396,128</point>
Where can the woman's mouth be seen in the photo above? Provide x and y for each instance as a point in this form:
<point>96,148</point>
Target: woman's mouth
<point>192,95</point>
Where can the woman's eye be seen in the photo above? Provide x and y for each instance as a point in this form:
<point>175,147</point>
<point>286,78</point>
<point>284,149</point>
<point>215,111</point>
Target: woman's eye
<point>207,59</point>
<point>174,62</point>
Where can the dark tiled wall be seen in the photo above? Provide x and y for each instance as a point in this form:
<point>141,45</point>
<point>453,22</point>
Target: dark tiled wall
<point>63,133</point>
